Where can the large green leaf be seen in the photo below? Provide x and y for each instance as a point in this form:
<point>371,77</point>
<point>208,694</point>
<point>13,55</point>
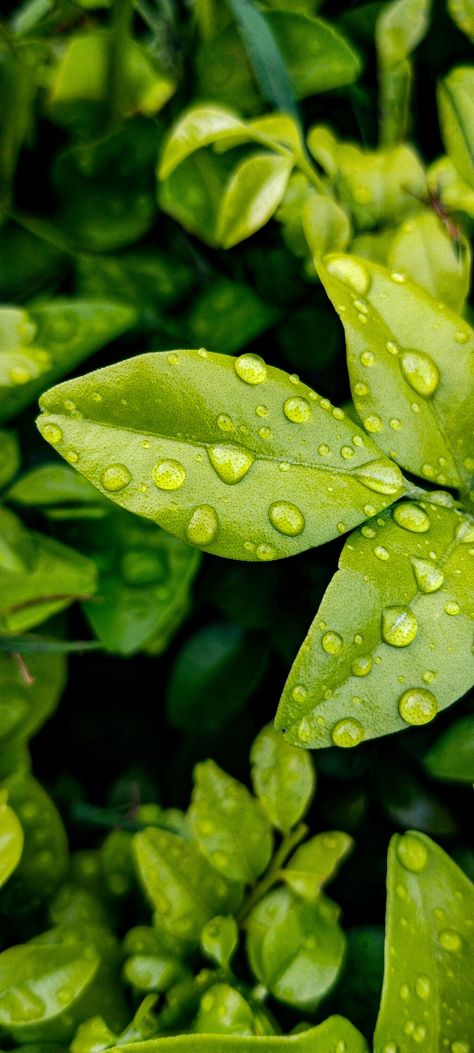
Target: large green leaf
<point>38,982</point>
<point>11,839</point>
<point>28,698</point>
<point>283,778</point>
<point>411,367</point>
<point>41,344</point>
<point>451,756</point>
<point>456,114</point>
<point>423,250</point>
<point>233,456</point>
<point>324,1038</point>
<point>428,992</point>
<point>391,643</point>
<point>229,824</point>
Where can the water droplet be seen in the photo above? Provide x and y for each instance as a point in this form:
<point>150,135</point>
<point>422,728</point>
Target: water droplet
<point>420,371</point>
<point>367,358</point>
<point>332,643</point>
<point>452,608</point>
<point>324,450</point>
<point>464,532</point>
<point>411,517</point>
<point>399,626</point>
<point>168,475</point>
<point>423,987</point>
<point>417,706</point>
<point>173,359</point>
<point>338,413</point>
<point>395,423</point>
<point>368,531</point>
<point>361,666</point>
<point>391,347</point>
<point>350,272</point>
<point>286,518</point>
<point>305,731</point>
<point>203,525</point>
<point>284,466</point>
<point>225,423</point>
<point>390,1047</point>
<point>341,527</point>
<point>347,733</point>
<point>361,389</point>
<point>397,277</point>
<point>297,409</point>
<point>52,433</point>
<point>429,577</point>
<point>419,1033</point>
<point>72,456</point>
<point>299,693</point>
<point>230,463</point>
<point>251,369</point>
<point>381,553</point>
<point>380,476</point>
<point>405,992</point>
<point>347,452</point>
<point>450,940</point>
<point>265,433</point>
<point>412,853</point>
<point>265,552</point>
<point>261,411</point>
<point>372,423</point>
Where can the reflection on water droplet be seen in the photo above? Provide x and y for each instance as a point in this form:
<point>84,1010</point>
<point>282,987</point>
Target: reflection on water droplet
<point>72,456</point>
<point>399,626</point>
<point>323,449</point>
<point>173,359</point>
<point>265,433</point>
<point>261,411</point>
<point>395,423</point>
<point>286,518</point>
<point>230,463</point>
<point>332,643</point>
<point>251,369</point>
<point>347,733</point>
<point>390,1047</point>
<point>452,608</point>
<point>297,409</point>
<point>203,525</point>
<point>299,693</point>
<point>351,272</point>
<point>397,277</point>
<point>347,452</point>
<point>423,987</point>
<point>411,517</point>
<point>372,423</point>
<point>225,423</point>
<point>361,389</point>
<point>450,940</point>
<point>52,433</point>
<point>265,552</point>
<point>168,475</point>
<point>391,347</point>
<point>417,706</point>
<point>381,476</point>
<point>420,372</point>
<point>381,553</point>
<point>367,358</point>
<point>428,576</point>
<point>412,853</point>
<point>361,666</point>
<point>305,731</point>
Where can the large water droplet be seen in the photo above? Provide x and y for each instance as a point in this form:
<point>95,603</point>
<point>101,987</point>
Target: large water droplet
<point>251,369</point>
<point>412,517</point>
<point>399,626</point>
<point>297,409</point>
<point>52,433</point>
<point>450,940</point>
<point>381,476</point>
<point>286,518</point>
<point>347,732</point>
<point>332,643</point>
<point>412,853</point>
<point>429,577</point>
<point>203,525</point>
<point>230,463</point>
<point>225,423</point>
<point>423,987</point>
<point>115,477</point>
<point>367,358</point>
<point>420,371</point>
<point>168,475</point>
<point>373,423</point>
<point>351,272</point>
<point>417,706</point>
<point>361,666</point>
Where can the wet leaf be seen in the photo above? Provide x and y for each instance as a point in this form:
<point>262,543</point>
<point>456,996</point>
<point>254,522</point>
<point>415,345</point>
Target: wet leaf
<point>231,455</point>
<point>44,858</point>
<point>383,652</point>
<point>427,988</point>
<point>424,251</point>
<point>316,862</point>
<point>456,114</point>
<point>283,778</point>
<point>33,979</point>
<point>451,756</point>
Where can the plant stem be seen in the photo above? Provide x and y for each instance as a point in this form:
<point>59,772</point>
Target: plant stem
<point>290,841</point>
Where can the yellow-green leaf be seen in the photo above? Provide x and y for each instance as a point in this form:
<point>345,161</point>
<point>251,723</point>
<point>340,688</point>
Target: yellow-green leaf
<point>424,250</point>
<point>252,195</point>
<point>456,114</point>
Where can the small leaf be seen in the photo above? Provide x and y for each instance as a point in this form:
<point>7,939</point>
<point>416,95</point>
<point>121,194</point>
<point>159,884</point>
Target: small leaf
<point>326,226</point>
<point>283,779</point>
<point>315,862</point>
<point>406,577</point>
<point>219,940</point>
<point>462,13</point>
<point>28,702</point>
<point>451,756</point>
<point>399,29</point>
<point>44,859</point>
<point>224,1011</point>
<point>423,250</point>
<point>33,978</point>
<point>200,126</point>
<point>192,194</point>
<point>185,890</point>
<point>428,960</point>
<point>456,114</point>
<point>11,840</point>
<point>49,485</point>
<point>229,824</point>
<point>411,367</point>
<point>252,196</point>
<point>221,468</point>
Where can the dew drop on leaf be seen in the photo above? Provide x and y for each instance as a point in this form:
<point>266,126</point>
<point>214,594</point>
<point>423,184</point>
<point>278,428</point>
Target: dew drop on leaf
<point>168,475</point>
<point>428,576</point>
<point>299,693</point>
<point>52,433</point>
<point>351,273</point>
<point>332,643</point>
<point>347,733</point>
<point>251,369</point>
<point>380,476</point>
<point>225,423</point>
<point>399,626</point>
<point>412,853</point>
<point>367,358</point>
<point>361,666</point>
<point>452,608</point>
<point>423,987</point>
<point>115,478</point>
<point>450,940</point>
<point>230,463</point>
<point>420,372</point>
<point>286,518</point>
<point>411,517</point>
<point>417,706</point>
<point>372,423</point>
<point>297,409</point>
<point>203,525</point>
<point>265,552</point>
<point>381,552</point>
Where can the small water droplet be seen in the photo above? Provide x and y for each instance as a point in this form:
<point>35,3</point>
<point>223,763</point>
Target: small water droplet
<point>347,452</point>
<point>225,423</point>
<point>261,411</point>
<point>299,693</point>
<point>423,987</point>
<point>411,517</point>
<point>284,466</point>
<point>341,527</point>
<point>286,518</point>
<point>168,475</point>
<point>405,992</point>
<point>65,995</point>
<point>265,552</point>
<point>381,476</point>
<point>230,463</point>
<point>251,369</point>
<point>265,433</point>
<point>429,577</point>
<point>173,359</point>
<point>297,409</point>
<point>412,853</point>
<point>324,450</point>
<point>368,532</point>
<point>420,372</point>
<point>417,706</point>
<point>460,1047</point>
<point>452,608</point>
<point>391,347</point>
<point>390,1047</point>
<point>361,666</point>
<point>332,643</point>
<point>461,337</point>
<point>395,423</point>
<point>347,733</point>
<point>305,731</point>
<point>419,1033</point>
<point>19,375</point>
<point>381,552</point>
<point>450,940</point>
<point>338,413</point>
<point>203,525</point>
<point>52,433</point>
<point>399,626</point>
<point>397,277</point>
<point>351,272</point>
<point>361,389</point>
<point>72,456</point>
<point>367,358</point>
<point>373,423</point>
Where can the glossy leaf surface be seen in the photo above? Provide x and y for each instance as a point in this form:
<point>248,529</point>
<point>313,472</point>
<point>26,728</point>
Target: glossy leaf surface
<point>251,197</point>
<point>235,457</point>
<point>424,251</point>
<point>33,979</point>
<point>383,652</point>
<point>323,1038</point>
<point>426,997</point>
<point>283,778</point>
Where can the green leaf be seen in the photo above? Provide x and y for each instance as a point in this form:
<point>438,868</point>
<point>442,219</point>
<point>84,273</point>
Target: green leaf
<point>38,575</point>
<point>326,227</point>
<point>252,196</point>
<point>427,995</point>
<point>50,485</point>
<point>451,756</point>
<point>192,193</point>
<point>198,127</point>
<point>43,343</point>
<point>11,839</point>
<point>215,450</point>
<point>400,27</point>
<point>185,890</point>
<point>324,1039</point>
<point>384,651</point>
<point>411,367</point>
<point>44,859</point>
<point>316,862</point>
<point>462,13</point>
<point>33,980</point>
<point>229,824</point>
<point>283,778</point>
<point>9,456</point>
<point>456,114</point>
<point>228,315</point>
<point>265,57</point>
<point>295,948</point>
<point>219,940</point>
<point>224,1011</point>
<point>29,696</point>
<point>424,250</point>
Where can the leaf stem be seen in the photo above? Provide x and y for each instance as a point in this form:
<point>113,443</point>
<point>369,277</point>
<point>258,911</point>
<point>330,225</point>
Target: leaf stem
<point>289,842</point>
